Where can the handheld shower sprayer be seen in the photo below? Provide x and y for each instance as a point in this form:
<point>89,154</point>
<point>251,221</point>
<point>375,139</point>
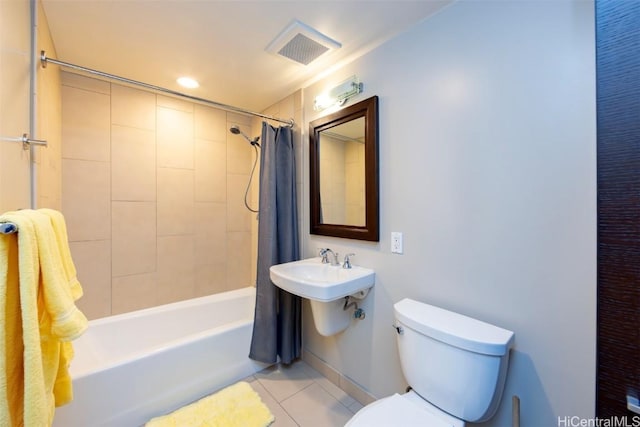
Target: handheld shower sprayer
<point>235,129</point>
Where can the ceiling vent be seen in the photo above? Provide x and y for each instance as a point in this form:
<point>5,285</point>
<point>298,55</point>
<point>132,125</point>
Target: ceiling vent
<point>301,43</point>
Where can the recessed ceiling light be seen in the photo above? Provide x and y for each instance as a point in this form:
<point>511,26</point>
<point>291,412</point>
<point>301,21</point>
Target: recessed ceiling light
<point>188,82</point>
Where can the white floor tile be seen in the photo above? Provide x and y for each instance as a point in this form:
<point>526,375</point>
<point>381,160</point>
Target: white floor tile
<point>330,387</point>
<point>282,418</point>
<point>283,381</point>
<point>336,392</point>
<point>315,407</point>
<point>299,396</point>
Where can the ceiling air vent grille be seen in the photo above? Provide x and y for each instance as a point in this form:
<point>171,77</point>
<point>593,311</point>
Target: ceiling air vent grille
<point>301,43</point>
<point>302,49</point>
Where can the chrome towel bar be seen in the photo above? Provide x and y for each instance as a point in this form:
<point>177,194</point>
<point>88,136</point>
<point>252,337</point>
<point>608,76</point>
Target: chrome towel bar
<point>26,141</point>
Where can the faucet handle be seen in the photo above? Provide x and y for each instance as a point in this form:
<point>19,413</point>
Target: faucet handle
<point>323,253</point>
<point>347,260</point>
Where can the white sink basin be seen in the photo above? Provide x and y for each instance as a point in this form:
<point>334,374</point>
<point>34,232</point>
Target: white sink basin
<point>311,279</point>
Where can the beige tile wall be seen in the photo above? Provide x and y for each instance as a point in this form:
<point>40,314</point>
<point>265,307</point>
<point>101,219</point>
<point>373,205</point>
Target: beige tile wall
<point>332,181</point>
<point>15,44</point>
<point>152,190</point>
<point>48,123</point>
<point>152,187</point>
<point>342,182</point>
<point>354,176</point>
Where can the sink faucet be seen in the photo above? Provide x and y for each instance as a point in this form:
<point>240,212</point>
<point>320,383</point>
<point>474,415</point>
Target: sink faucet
<point>347,260</point>
<point>324,253</point>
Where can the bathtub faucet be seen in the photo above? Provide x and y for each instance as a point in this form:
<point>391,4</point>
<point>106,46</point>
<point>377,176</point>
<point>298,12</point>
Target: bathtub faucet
<point>324,253</point>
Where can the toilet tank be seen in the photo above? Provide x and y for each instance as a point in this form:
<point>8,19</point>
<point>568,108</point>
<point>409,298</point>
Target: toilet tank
<point>454,362</point>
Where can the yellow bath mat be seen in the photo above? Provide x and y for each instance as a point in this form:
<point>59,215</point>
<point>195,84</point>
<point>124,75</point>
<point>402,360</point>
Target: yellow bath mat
<point>235,406</point>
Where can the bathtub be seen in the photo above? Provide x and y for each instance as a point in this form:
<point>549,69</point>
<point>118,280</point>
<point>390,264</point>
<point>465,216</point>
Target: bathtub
<point>131,367</point>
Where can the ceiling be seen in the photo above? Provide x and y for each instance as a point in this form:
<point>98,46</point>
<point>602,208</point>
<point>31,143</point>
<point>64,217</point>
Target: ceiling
<point>221,43</point>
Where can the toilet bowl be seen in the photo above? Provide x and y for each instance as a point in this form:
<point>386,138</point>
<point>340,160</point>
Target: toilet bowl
<point>456,367</point>
<point>406,410</point>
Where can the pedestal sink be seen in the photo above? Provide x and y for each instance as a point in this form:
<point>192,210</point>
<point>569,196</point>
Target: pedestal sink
<point>326,286</point>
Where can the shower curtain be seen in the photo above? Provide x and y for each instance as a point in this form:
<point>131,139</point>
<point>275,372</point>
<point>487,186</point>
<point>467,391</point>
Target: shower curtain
<point>277,329</point>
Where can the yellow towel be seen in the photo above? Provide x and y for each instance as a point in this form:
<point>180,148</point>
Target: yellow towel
<point>22,395</point>
<point>60,319</point>
<point>66,321</point>
<point>235,406</point>
<point>49,319</point>
<point>60,230</point>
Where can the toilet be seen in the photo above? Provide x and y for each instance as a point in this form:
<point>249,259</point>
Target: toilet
<point>456,368</point>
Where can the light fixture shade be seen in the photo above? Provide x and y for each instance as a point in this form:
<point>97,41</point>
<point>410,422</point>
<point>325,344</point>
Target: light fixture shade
<point>339,94</point>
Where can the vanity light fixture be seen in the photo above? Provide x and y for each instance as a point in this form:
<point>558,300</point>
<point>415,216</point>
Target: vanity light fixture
<point>188,82</point>
<point>339,95</point>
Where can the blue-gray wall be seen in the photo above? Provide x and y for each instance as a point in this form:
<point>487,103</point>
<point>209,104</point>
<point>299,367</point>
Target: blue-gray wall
<point>488,167</point>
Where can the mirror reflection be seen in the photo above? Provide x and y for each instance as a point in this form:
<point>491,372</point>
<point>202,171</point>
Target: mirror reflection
<point>342,178</point>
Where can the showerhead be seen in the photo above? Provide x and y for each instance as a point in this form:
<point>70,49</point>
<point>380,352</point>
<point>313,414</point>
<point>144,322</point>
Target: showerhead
<point>235,129</point>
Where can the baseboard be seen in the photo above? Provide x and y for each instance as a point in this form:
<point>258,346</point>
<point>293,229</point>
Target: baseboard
<point>347,385</point>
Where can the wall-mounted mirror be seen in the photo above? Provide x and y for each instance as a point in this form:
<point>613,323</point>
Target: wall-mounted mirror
<point>343,154</point>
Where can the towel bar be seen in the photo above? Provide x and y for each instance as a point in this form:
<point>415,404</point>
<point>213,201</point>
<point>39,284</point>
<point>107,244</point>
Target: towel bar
<point>8,228</point>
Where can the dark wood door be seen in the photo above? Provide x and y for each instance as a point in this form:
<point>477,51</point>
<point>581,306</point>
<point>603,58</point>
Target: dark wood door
<point>618,109</point>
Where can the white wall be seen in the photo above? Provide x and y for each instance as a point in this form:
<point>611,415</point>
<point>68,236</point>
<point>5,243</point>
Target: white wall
<point>488,167</point>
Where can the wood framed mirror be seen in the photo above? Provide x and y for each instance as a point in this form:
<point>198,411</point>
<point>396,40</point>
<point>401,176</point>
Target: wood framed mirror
<point>343,171</point>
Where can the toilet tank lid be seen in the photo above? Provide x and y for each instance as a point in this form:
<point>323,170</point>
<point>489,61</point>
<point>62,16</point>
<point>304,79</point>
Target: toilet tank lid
<point>453,328</point>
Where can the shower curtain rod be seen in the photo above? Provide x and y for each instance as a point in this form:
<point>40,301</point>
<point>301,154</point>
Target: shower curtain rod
<point>44,60</point>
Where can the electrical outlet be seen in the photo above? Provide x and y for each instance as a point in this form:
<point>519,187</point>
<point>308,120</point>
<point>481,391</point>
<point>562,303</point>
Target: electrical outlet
<point>396,242</point>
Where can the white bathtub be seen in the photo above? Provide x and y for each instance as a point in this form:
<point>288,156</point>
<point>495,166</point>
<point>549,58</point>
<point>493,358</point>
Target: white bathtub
<point>134,366</point>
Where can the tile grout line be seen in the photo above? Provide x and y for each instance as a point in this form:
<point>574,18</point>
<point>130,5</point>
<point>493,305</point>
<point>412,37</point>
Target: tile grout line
<point>291,417</point>
<point>297,392</point>
<point>313,376</point>
<point>277,402</point>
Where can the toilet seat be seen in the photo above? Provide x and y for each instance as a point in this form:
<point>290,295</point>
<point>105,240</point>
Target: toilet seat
<point>396,410</point>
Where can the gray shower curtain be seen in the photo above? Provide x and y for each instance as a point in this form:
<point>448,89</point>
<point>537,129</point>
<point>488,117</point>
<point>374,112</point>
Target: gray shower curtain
<point>277,322</point>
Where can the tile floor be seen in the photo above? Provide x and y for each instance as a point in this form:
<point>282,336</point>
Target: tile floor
<point>298,395</point>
